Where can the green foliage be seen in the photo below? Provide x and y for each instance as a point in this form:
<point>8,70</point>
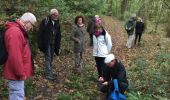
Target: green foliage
<point>150,83</point>
<point>64,96</point>
<point>29,87</point>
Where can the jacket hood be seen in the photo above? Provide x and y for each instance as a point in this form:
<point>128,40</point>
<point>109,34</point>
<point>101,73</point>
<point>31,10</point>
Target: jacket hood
<point>11,24</point>
<point>16,24</point>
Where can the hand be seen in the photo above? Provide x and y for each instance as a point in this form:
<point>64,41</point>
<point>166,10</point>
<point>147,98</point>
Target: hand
<point>101,79</point>
<point>105,83</point>
<point>23,77</point>
<point>78,41</point>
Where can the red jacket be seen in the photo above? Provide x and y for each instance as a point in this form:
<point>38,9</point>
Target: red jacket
<point>19,64</point>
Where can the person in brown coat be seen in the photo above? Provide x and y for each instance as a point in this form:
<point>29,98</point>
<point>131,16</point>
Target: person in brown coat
<point>78,35</point>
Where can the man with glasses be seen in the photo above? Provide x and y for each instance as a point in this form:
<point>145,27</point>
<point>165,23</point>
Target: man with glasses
<point>19,64</point>
<point>49,40</point>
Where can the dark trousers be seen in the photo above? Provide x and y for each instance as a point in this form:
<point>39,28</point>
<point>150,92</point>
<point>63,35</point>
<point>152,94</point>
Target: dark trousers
<point>78,60</point>
<point>138,37</point>
<point>48,59</point>
<point>91,39</point>
<point>101,67</point>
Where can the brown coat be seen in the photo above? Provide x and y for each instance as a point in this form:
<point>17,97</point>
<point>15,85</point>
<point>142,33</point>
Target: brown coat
<point>78,35</point>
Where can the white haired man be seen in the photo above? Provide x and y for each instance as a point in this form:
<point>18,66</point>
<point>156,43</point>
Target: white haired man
<point>19,64</point>
<point>49,38</point>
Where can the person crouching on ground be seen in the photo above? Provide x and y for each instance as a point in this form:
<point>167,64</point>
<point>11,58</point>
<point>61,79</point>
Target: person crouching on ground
<point>115,70</point>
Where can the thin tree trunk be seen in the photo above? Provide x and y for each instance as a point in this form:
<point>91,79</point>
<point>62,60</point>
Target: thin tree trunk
<point>123,6</point>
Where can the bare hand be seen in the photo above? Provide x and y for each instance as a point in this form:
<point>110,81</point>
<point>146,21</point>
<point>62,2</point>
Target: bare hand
<point>78,41</point>
<point>105,83</point>
<point>101,79</point>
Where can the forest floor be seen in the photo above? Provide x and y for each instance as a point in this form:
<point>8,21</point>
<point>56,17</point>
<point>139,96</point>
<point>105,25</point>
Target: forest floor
<point>74,86</point>
<point>80,86</point>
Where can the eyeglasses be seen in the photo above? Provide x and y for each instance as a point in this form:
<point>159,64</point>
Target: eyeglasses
<point>55,15</point>
<point>32,25</point>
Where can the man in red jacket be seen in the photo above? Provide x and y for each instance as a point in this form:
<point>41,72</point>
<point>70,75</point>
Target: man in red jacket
<point>19,65</point>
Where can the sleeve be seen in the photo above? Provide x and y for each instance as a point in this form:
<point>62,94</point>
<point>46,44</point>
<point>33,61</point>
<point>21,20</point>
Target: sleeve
<point>58,35</point>
<point>120,75</point>
<point>73,33</point>
<point>143,27</point>
<point>40,36</point>
<point>88,27</point>
<point>58,40</point>
<point>15,54</point>
<point>121,72</point>
<point>108,42</point>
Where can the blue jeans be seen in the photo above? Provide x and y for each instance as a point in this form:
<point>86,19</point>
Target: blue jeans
<point>16,90</point>
<point>48,59</point>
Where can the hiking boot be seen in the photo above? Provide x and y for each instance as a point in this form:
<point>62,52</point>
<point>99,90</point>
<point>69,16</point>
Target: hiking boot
<point>53,78</point>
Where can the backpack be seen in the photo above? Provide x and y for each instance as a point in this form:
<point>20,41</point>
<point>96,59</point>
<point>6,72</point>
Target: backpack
<point>116,95</point>
<point>129,25</point>
<point>3,51</point>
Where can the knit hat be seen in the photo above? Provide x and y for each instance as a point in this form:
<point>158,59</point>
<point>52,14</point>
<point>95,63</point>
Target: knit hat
<point>109,58</point>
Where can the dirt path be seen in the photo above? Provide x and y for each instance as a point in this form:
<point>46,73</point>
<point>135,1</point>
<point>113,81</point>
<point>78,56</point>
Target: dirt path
<point>116,29</point>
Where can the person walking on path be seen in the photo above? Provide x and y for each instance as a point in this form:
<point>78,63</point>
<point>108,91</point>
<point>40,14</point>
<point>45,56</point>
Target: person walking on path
<point>19,64</point>
<point>130,28</point>
<point>139,30</point>
<point>49,38</point>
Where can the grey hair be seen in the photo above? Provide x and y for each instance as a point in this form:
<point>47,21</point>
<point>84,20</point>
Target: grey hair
<point>28,17</point>
<point>53,11</point>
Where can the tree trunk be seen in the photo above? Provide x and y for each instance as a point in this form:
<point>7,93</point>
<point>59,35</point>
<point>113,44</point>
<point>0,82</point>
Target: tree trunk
<point>123,6</point>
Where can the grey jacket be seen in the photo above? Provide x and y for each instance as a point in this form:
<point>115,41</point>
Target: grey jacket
<point>78,35</point>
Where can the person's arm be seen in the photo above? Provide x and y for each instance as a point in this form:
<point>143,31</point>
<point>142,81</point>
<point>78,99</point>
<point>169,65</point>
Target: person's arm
<point>108,42</point>
<point>143,27</point>
<point>15,53</point>
<point>107,77</point>
<point>121,72</point>
<point>40,35</point>
<point>57,39</point>
<point>73,33</point>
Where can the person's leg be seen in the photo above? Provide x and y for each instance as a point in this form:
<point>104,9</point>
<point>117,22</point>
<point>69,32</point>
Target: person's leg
<point>52,55</point>
<point>136,37</point>
<point>91,39</point>
<point>140,35</point>
<point>48,63</point>
<point>131,38</point>
<point>123,87</point>
<point>99,69</point>
<point>81,60</point>
<point>77,60</point>
<point>16,90</point>
<point>103,67</point>
<point>127,43</point>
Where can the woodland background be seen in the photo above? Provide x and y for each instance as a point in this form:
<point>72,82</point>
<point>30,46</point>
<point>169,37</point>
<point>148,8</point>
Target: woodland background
<point>148,72</point>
